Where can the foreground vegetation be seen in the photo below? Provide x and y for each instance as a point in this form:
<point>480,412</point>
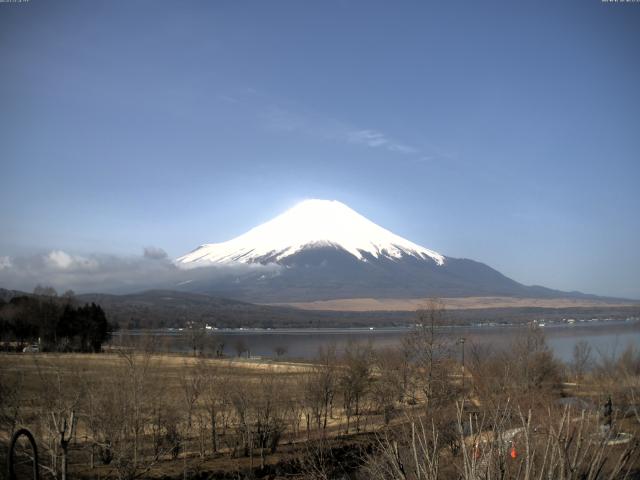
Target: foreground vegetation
<point>413,412</point>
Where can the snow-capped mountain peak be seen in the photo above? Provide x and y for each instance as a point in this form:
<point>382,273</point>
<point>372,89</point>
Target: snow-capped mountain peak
<point>309,224</point>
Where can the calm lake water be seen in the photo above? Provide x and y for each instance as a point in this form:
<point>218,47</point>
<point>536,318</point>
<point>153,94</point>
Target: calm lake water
<point>607,338</point>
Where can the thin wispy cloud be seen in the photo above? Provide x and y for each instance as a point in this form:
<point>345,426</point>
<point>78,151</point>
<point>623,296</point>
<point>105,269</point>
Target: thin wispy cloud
<point>274,117</point>
<point>375,139</point>
<point>282,120</point>
<point>279,116</point>
<point>228,99</point>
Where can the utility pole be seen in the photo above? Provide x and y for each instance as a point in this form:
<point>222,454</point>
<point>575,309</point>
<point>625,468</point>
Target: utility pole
<point>461,342</point>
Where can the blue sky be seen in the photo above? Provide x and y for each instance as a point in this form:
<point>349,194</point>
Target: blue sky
<point>506,132</point>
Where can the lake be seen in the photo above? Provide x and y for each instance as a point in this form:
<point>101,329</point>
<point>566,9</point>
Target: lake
<point>607,338</point>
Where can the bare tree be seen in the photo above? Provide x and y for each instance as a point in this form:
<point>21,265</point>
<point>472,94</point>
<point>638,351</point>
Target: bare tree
<point>320,387</point>
<point>355,378</point>
<point>318,461</point>
<point>214,345</point>
<point>280,350</point>
<point>136,368</point>
<point>191,384</point>
<point>240,346</point>
<point>196,336</point>
<point>241,396</point>
<point>163,427</point>
<point>415,455</point>
<point>58,416</point>
<point>214,392</point>
<point>491,374</point>
<point>505,444</point>
<point>620,375</point>
<point>121,411</point>
<point>535,371</point>
<point>132,423</point>
<point>261,410</point>
<point>387,386</point>
<point>581,359</point>
<point>270,413</point>
<point>429,350</point>
<point>11,401</point>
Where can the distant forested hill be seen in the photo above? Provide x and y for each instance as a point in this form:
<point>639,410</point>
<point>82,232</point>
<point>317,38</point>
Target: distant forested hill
<point>165,309</point>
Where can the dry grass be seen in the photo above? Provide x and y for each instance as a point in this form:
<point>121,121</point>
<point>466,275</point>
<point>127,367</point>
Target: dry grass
<point>466,303</point>
<point>286,396</point>
<point>30,363</point>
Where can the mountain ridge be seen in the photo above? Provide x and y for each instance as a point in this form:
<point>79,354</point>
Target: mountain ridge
<point>327,251</point>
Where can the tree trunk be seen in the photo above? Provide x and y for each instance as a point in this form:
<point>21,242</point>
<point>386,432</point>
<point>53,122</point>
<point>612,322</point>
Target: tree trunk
<point>63,466</point>
<point>214,439</point>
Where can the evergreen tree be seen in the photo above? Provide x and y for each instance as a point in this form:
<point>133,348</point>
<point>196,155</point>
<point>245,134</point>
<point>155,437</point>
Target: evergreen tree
<point>56,322</point>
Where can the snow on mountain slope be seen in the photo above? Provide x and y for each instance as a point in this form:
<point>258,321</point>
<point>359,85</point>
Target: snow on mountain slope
<point>311,223</point>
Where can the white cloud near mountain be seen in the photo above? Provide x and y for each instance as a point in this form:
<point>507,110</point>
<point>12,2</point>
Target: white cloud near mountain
<point>5,262</point>
<point>58,259</point>
<point>105,273</point>
<point>155,253</point>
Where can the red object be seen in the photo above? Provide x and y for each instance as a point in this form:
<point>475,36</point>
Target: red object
<point>513,452</point>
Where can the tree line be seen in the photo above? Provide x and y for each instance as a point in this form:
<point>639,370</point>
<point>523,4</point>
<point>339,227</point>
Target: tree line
<point>54,323</point>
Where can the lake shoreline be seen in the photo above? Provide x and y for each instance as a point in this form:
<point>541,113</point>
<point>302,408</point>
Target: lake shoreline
<point>303,343</point>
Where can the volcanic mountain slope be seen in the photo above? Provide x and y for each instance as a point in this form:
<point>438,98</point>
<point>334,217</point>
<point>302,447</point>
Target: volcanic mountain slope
<point>325,250</point>
<point>311,225</point>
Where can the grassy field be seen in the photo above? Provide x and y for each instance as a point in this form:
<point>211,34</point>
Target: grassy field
<point>136,413</point>
<point>464,303</point>
<point>178,385</point>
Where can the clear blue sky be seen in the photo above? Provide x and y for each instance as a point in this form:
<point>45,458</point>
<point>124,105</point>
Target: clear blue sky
<point>507,132</point>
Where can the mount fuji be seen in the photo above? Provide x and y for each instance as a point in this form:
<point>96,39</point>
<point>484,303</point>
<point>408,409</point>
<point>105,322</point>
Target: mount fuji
<point>323,250</point>
<point>310,225</point>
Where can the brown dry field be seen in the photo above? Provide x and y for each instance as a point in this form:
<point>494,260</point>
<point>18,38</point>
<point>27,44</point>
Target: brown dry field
<point>168,368</point>
<point>464,303</point>
<point>169,363</point>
